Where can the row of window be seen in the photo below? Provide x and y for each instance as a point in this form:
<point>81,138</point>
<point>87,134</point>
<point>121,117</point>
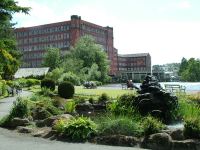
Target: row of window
<point>132,59</point>
<point>133,69</point>
<point>138,63</point>
<point>44,30</point>
<point>92,29</point>
<point>59,45</point>
<point>43,39</point>
<point>33,55</point>
<point>32,64</point>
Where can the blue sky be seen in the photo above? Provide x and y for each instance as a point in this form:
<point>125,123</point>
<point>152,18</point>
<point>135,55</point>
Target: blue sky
<point>167,29</point>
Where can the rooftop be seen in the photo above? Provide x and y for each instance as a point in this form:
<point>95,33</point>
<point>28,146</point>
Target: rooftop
<point>134,55</point>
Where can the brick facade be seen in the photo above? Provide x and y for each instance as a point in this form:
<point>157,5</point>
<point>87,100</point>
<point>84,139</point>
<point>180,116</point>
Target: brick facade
<point>33,41</point>
<point>134,66</point>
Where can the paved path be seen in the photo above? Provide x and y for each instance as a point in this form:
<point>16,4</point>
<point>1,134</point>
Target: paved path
<point>6,103</point>
<point>11,140</point>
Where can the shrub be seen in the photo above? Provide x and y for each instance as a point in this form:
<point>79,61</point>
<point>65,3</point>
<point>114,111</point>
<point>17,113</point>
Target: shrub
<point>152,125</point>
<point>192,128</point>
<point>3,88</point>
<point>91,100</point>
<point>80,129</point>
<point>31,82</point>
<point>66,90</point>
<point>126,100</point>
<point>79,100</point>
<point>48,83</point>
<point>43,105</point>
<point>55,74</point>
<point>188,109</point>
<point>117,109</point>
<point>21,82</point>
<point>9,83</point>
<point>121,125</point>
<point>123,105</point>
<point>19,109</point>
<point>60,125</point>
<point>70,107</point>
<point>70,77</point>
<point>103,98</point>
<point>46,92</point>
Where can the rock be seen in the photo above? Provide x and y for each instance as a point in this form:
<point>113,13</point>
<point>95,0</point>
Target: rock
<point>24,129</point>
<point>39,123</point>
<point>177,134</point>
<point>84,107</point>
<point>98,107</point>
<point>19,122</point>
<point>38,133</point>
<point>152,97</point>
<point>117,140</point>
<point>51,120</point>
<point>158,141</point>
<point>50,134</point>
<point>40,113</point>
<point>157,114</point>
<point>189,144</point>
<point>145,106</point>
<point>41,132</point>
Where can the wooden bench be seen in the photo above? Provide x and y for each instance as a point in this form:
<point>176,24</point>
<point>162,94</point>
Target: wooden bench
<point>175,88</point>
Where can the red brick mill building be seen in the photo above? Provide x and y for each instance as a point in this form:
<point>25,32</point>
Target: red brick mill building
<point>33,41</point>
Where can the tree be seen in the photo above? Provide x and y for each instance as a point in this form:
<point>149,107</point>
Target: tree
<point>94,73</point>
<point>7,9</point>
<point>8,65</point>
<point>183,65</point>
<point>191,71</point>
<point>8,46</point>
<point>52,58</point>
<point>89,53</point>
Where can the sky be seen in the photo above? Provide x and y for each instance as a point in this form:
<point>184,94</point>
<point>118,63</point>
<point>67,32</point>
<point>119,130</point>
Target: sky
<point>167,29</point>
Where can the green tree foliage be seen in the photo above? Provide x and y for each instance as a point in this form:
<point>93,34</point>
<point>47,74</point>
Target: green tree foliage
<point>7,39</point>
<point>8,64</point>
<point>183,65</point>
<point>70,64</point>
<point>7,9</point>
<point>52,58</point>
<point>55,74</point>
<point>92,58</point>
<point>190,70</point>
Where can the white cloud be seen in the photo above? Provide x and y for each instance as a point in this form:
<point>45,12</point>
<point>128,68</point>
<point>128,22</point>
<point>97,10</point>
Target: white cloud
<point>184,5</point>
<point>166,41</point>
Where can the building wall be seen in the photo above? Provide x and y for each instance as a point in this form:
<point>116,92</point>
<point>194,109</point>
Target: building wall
<point>134,66</point>
<point>33,41</point>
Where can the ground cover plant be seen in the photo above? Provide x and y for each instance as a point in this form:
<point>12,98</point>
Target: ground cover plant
<point>77,129</point>
<point>110,124</point>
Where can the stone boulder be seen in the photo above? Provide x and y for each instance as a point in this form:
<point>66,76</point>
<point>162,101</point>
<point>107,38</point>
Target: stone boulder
<point>40,113</point>
<point>117,140</point>
<point>88,109</point>
<point>177,134</point>
<point>158,141</point>
<point>22,129</point>
<point>50,121</point>
<point>154,100</point>
<point>18,122</point>
<point>189,144</point>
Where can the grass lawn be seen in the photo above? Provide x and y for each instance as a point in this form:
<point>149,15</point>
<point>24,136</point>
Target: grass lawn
<point>79,90</point>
